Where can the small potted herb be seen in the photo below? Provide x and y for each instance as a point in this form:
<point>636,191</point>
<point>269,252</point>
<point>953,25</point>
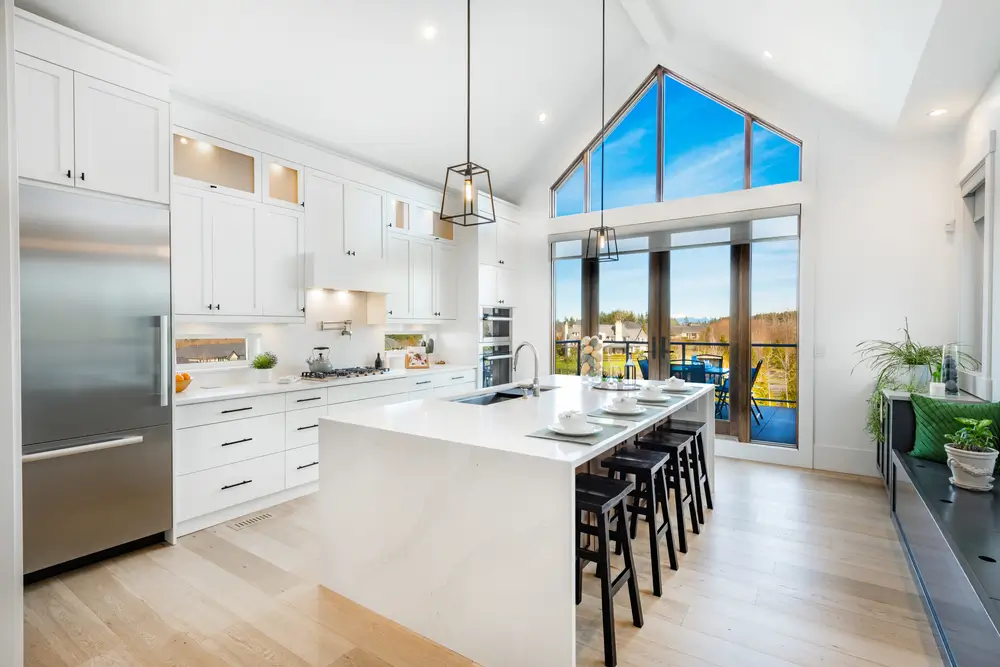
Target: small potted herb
<point>972,454</point>
<point>264,363</point>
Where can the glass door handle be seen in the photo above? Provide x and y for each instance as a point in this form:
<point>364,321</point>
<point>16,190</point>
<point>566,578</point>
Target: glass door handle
<point>663,347</point>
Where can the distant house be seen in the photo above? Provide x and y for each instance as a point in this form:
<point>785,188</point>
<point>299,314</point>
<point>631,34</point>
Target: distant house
<point>686,331</point>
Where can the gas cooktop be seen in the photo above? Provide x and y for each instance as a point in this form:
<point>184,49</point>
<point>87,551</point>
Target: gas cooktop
<point>339,373</point>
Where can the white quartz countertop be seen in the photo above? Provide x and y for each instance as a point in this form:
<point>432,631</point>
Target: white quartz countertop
<point>221,393</point>
<point>505,426</point>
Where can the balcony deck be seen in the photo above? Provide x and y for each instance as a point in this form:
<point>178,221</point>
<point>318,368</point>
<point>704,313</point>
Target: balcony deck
<point>779,425</point>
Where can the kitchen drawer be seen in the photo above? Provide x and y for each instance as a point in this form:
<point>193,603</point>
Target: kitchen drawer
<point>453,390</point>
<point>208,491</point>
<point>379,400</point>
<point>297,400</point>
<point>453,377</point>
<point>421,383</point>
<point>360,390</point>
<point>213,445</point>
<point>301,466</point>
<point>302,426</point>
<point>199,414</point>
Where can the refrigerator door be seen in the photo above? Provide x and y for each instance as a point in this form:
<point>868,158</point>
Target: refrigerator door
<point>93,494</point>
<point>95,305</point>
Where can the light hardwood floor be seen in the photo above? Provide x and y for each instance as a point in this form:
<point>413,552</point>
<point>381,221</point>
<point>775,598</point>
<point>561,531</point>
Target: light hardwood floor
<point>793,568</point>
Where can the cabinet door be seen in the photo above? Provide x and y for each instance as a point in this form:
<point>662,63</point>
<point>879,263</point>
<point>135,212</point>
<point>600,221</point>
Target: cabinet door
<point>505,287</point>
<point>507,232</point>
<point>122,140</point>
<point>488,246</point>
<point>488,285</point>
<point>325,256</point>
<point>421,220</point>
<point>422,279</point>
<point>363,226</point>
<point>445,282</point>
<point>398,298</point>
<point>208,163</point>
<point>44,104</point>
<point>191,254</point>
<point>233,262</point>
<point>283,182</point>
<point>280,241</point>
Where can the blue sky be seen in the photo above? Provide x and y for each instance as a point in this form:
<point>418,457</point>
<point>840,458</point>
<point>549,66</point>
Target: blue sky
<point>704,148</point>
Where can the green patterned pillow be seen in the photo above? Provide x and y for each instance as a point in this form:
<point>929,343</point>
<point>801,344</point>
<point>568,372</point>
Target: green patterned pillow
<point>935,418</point>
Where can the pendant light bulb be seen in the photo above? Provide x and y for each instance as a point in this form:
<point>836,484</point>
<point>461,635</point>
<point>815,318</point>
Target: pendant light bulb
<point>602,238</point>
<point>468,189</point>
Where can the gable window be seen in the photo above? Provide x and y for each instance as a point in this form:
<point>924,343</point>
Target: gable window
<point>703,146</point>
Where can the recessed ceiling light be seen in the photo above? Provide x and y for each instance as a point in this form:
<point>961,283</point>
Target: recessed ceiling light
<point>430,31</point>
<point>541,117</point>
<point>937,112</point>
<point>767,55</point>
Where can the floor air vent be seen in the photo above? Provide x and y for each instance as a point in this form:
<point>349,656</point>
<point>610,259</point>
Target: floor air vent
<point>249,521</point>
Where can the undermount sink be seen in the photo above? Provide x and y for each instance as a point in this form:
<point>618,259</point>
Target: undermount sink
<point>492,398</point>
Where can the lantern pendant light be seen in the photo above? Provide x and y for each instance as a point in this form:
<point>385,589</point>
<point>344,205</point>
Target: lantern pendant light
<point>602,242</point>
<point>460,201</point>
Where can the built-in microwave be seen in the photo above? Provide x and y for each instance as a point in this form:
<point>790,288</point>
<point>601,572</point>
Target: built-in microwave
<point>496,325</point>
<point>495,364</point>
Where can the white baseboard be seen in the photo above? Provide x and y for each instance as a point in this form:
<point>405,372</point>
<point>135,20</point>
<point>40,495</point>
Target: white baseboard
<point>846,460</point>
<point>255,505</point>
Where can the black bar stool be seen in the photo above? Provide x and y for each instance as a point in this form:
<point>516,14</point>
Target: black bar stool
<point>603,496</point>
<point>695,429</point>
<point>651,486</point>
<point>678,470</point>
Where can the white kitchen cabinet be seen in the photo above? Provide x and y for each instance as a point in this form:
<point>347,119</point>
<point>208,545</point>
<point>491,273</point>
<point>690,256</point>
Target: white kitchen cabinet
<point>208,163</point>
<point>364,231</point>
<point>497,243</point>
<point>44,115</point>
<point>280,249</point>
<point>422,279</point>
<point>122,140</point>
<point>399,298</point>
<point>283,182</point>
<point>191,254</point>
<point>488,285</point>
<point>421,220</point>
<point>445,282</point>
<point>505,287</point>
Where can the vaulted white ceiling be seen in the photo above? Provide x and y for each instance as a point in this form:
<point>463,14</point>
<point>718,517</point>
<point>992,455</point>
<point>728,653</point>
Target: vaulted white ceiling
<point>360,77</point>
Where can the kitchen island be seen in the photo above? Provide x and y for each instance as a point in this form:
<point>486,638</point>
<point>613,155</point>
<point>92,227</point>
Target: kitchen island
<point>447,518</point>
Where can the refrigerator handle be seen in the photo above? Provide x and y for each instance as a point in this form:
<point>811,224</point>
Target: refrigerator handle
<point>164,360</point>
<point>82,449</point>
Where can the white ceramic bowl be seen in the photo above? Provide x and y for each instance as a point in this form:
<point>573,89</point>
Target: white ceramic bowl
<point>674,383</point>
<point>625,402</point>
<point>650,391</point>
<point>573,420</point>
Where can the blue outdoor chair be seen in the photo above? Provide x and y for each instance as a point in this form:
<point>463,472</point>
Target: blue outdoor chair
<point>644,368</point>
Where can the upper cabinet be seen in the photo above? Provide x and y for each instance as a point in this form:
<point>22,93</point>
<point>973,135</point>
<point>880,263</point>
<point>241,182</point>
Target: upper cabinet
<point>417,219</point>
<point>497,243</point>
<point>399,298</point>
<point>424,279</point>
<point>445,282</point>
<point>79,131</point>
<point>364,231</point>
<point>284,183</point>
<point>280,243</point>
<point>212,164</point>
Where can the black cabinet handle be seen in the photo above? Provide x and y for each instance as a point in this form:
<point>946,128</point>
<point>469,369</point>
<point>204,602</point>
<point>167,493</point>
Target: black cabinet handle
<point>390,312</point>
<point>303,204</point>
<point>69,174</point>
<point>213,186</point>
<point>233,486</point>
<point>236,442</point>
<point>458,378</point>
<point>83,176</point>
<point>308,465</point>
<point>210,306</point>
<point>425,382</point>
<point>306,428</point>
<point>306,400</point>
<point>218,307</point>
<point>303,309</point>
<point>226,412</point>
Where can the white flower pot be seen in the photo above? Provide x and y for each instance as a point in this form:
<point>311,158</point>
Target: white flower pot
<point>914,376</point>
<point>971,470</point>
<point>263,374</point>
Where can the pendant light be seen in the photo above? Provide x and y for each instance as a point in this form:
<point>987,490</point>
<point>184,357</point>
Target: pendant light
<point>460,203</point>
<point>602,242</point>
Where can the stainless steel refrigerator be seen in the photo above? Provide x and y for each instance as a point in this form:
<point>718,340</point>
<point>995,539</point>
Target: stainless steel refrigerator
<point>96,380</point>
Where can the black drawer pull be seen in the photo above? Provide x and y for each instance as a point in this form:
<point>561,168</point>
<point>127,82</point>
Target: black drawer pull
<point>303,428</point>
<point>233,486</point>
<point>226,412</point>
<point>305,400</point>
<point>308,465</point>
<point>236,442</point>
<point>425,382</point>
<point>460,377</point>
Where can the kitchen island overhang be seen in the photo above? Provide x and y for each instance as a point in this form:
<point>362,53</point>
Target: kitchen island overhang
<point>447,519</point>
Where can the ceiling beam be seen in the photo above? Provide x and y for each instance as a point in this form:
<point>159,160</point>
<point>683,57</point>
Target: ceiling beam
<point>653,29</point>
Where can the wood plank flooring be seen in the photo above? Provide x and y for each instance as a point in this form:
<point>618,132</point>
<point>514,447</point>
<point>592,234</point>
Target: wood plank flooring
<point>793,568</point>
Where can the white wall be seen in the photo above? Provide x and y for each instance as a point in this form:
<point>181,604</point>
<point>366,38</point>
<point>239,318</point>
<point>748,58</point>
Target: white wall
<point>973,137</point>
<point>11,614</point>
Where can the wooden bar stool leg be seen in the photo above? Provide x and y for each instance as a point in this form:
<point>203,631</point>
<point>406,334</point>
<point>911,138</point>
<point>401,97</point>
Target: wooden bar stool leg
<point>696,474</point>
<point>689,491</point>
<point>633,583</point>
<point>704,471</point>
<point>579,564</point>
<point>664,506</point>
<point>675,472</point>
<point>654,542</point>
<point>607,599</point>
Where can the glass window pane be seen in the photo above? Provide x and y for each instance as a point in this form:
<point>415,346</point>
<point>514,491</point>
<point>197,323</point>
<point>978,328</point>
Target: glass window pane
<point>211,350</point>
<point>776,227</point>
<point>283,183</point>
<point>623,301</point>
<point>703,144</point>
<point>701,237</point>
<point>633,243</point>
<point>569,196</point>
<point>775,158</point>
<point>567,294</point>
<point>630,172</point>
<point>567,249</point>
<point>774,338</point>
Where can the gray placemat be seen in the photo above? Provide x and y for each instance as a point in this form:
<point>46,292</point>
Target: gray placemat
<point>658,404</point>
<point>607,431</point>
<point>650,413</point>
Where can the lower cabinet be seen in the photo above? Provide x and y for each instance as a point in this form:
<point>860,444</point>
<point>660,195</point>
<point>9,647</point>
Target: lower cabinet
<point>215,489</point>
<point>301,465</point>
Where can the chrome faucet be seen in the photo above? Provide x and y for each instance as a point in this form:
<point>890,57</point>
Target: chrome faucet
<point>535,391</point>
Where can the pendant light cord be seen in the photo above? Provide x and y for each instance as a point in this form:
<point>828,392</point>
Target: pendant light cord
<point>468,82</point>
<point>604,157</point>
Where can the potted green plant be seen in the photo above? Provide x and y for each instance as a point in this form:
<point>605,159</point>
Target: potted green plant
<point>264,364</point>
<point>972,454</point>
